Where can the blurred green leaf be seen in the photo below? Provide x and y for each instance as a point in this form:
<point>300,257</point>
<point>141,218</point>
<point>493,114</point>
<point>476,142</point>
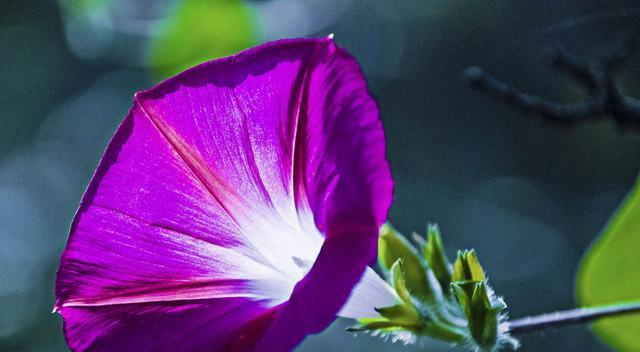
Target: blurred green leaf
<point>201,30</point>
<point>609,273</point>
<point>79,8</point>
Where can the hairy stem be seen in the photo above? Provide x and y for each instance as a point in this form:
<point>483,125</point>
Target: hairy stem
<point>572,316</point>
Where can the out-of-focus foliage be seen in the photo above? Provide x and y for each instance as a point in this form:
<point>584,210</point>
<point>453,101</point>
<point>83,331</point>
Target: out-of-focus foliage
<point>609,273</point>
<point>201,30</point>
<point>79,8</point>
<point>111,30</point>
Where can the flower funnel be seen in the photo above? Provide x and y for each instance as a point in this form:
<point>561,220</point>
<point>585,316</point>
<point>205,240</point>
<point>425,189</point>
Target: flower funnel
<point>235,208</point>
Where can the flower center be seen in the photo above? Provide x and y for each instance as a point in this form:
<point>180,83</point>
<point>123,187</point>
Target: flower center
<point>304,264</point>
<point>288,245</point>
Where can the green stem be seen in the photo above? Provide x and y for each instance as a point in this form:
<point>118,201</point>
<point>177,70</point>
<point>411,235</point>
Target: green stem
<point>572,316</point>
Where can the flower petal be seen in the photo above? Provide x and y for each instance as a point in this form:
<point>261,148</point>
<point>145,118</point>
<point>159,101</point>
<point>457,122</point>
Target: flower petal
<point>147,231</point>
<point>159,326</point>
<point>227,183</point>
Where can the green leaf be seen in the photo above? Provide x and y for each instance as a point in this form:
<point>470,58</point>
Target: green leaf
<point>609,273</point>
<point>201,30</point>
<point>392,246</point>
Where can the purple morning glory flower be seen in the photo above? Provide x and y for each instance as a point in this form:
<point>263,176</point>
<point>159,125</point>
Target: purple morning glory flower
<point>236,207</point>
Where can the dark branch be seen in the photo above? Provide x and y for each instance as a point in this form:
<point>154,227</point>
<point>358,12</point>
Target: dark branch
<point>513,96</point>
<point>604,97</point>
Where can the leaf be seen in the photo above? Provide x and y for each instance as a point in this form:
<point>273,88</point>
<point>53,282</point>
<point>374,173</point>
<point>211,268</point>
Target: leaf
<point>609,273</point>
<point>201,30</point>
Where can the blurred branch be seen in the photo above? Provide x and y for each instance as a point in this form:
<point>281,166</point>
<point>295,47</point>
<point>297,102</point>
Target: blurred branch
<point>604,97</point>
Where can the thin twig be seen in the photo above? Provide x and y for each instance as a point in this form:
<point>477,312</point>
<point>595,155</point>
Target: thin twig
<point>572,316</point>
<point>604,97</point>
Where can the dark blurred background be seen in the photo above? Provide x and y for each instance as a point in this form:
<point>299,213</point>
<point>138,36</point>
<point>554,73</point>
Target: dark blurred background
<point>528,194</point>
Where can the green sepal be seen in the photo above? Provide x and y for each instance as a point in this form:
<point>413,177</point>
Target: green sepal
<point>392,246</point>
<point>402,314</point>
<point>407,316</point>
<point>370,324</point>
<point>464,293</point>
<point>433,252</point>
<point>397,279</point>
<point>484,322</point>
<point>405,312</point>
<point>481,309</point>
<point>444,332</point>
<point>467,267</point>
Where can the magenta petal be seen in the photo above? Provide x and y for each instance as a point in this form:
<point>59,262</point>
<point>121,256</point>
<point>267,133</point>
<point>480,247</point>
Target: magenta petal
<point>224,188</point>
<point>160,326</point>
<point>147,231</point>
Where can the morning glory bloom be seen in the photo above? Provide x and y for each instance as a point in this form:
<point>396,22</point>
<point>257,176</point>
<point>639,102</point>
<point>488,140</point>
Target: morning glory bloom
<point>236,208</point>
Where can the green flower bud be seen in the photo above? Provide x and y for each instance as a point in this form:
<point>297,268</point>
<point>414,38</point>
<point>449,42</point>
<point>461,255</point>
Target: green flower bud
<point>467,267</point>
<point>435,299</point>
<point>481,307</point>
